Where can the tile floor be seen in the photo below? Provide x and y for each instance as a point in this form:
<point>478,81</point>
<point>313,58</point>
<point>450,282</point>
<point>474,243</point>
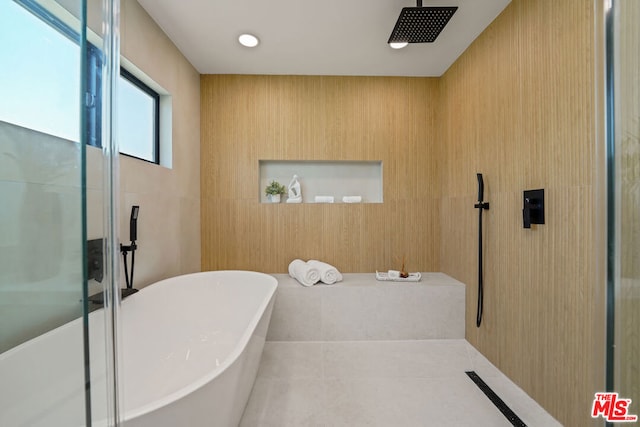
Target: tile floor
<point>381,383</point>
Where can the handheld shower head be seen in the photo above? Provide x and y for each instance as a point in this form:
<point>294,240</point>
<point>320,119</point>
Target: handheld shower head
<point>133,223</point>
<point>480,187</point>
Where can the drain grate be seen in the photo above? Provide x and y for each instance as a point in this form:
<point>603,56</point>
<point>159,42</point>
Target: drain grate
<point>493,397</point>
<point>421,24</point>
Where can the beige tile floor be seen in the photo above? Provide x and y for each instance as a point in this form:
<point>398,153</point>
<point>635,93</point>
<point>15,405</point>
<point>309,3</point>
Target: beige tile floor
<point>381,383</point>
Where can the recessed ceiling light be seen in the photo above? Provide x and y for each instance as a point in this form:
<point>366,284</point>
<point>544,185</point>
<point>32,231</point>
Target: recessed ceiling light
<point>398,45</point>
<point>248,40</point>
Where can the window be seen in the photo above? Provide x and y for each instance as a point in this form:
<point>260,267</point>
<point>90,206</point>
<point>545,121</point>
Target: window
<point>40,71</point>
<point>138,118</point>
<point>47,51</point>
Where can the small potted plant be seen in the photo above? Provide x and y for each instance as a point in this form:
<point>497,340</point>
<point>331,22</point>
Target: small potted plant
<point>274,191</point>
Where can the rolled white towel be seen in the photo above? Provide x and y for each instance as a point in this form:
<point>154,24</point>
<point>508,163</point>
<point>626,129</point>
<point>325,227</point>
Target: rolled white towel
<point>328,273</point>
<point>303,272</point>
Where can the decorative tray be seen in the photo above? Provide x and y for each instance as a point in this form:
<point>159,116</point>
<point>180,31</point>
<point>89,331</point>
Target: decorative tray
<point>413,277</point>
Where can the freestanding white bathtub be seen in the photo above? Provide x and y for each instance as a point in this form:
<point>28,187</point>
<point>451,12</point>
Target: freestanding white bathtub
<point>191,346</point>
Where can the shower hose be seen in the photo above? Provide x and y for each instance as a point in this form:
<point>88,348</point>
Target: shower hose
<point>129,279</point>
<point>480,284</point>
<point>481,205</point>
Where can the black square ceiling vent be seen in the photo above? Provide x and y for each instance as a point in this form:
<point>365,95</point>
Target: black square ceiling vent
<point>421,24</point>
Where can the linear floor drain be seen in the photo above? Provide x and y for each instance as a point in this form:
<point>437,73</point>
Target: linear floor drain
<point>502,407</point>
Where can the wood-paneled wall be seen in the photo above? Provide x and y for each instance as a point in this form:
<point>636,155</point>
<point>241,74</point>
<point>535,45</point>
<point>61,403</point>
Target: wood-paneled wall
<point>518,107</point>
<point>248,118</point>
<point>627,322</point>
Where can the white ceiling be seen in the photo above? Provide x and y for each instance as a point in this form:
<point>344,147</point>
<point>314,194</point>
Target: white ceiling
<point>332,37</point>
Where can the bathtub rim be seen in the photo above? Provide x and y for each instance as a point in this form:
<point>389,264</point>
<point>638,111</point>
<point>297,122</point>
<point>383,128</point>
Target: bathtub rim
<point>217,370</point>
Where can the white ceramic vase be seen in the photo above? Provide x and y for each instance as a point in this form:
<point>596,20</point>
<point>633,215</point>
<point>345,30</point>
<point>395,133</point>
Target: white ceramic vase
<point>273,198</point>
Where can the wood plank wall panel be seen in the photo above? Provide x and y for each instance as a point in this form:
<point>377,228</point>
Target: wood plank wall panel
<point>518,107</point>
<point>628,134</point>
<point>248,118</point>
<point>628,146</point>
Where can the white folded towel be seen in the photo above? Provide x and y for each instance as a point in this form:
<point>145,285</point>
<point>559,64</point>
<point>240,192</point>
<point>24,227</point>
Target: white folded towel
<point>323,199</point>
<point>304,273</point>
<point>328,273</point>
<point>352,199</point>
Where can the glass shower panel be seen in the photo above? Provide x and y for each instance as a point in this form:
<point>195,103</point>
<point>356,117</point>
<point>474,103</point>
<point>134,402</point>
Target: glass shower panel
<point>47,378</point>
<point>626,63</point>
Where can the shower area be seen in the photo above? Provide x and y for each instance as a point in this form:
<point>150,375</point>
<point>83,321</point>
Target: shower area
<point>623,157</point>
<point>57,190</point>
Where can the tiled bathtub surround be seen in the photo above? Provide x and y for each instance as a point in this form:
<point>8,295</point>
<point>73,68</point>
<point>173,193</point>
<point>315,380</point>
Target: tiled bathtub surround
<point>381,383</point>
<point>361,308</point>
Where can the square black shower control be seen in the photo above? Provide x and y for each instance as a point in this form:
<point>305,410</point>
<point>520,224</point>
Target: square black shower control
<point>532,207</point>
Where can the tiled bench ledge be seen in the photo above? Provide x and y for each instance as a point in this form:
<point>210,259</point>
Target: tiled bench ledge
<point>362,308</point>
